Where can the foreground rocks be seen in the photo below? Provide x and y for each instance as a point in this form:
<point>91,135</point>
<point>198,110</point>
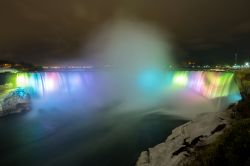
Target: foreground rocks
<point>177,149</point>
<point>14,101</point>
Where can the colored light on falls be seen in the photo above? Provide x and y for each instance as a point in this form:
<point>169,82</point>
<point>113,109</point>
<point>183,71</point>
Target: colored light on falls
<point>151,80</point>
<point>22,80</point>
<point>208,84</point>
<point>51,82</point>
<point>180,78</point>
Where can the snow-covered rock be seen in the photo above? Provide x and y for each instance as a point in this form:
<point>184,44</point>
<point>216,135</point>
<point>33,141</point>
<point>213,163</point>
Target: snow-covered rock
<point>14,102</point>
<point>184,139</point>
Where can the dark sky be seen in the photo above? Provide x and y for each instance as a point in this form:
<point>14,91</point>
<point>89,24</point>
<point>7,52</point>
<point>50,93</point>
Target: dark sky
<point>51,31</point>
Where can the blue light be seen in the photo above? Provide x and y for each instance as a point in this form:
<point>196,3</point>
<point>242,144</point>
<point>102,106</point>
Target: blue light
<point>235,98</point>
<point>151,80</point>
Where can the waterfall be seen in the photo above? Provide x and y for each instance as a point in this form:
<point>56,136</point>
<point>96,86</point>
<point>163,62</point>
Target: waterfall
<point>208,84</point>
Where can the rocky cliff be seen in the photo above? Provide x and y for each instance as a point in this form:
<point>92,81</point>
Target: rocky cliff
<point>14,101</point>
<point>178,147</point>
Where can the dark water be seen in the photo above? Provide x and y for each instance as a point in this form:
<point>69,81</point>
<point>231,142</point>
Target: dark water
<point>73,137</point>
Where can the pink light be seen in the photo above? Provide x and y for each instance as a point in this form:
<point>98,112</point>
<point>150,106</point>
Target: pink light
<point>51,82</point>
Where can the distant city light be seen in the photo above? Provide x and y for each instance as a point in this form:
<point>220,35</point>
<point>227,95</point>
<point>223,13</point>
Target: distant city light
<point>246,64</point>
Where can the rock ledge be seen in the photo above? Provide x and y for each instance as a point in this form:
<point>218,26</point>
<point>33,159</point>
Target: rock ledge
<point>15,101</point>
<point>179,146</point>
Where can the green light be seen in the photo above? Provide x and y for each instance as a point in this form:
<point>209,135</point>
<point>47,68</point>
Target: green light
<point>180,78</point>
<point>22,80</point>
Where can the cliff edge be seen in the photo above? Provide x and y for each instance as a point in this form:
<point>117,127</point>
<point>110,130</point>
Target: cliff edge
<point>177,149</point>
<point>14,101</point>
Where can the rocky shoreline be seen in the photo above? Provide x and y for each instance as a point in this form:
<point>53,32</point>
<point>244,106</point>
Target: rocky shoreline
<point>14,101</point>
<point>178,149</point>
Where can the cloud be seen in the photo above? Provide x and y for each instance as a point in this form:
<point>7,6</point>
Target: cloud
<point>62,26</point>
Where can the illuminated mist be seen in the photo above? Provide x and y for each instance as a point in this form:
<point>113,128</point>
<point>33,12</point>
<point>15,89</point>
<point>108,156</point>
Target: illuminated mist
<point>138,55</point>
<point>129,73</point>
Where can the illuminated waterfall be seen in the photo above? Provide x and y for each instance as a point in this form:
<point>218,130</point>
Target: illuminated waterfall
<point>45,83</point>
<point>208,84</point>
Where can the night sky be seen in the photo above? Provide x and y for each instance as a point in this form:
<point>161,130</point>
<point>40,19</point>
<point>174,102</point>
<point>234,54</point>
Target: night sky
<point>53,31</point>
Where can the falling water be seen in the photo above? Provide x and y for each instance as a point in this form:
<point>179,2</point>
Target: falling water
<point>207,84</point>
<point>150,86</point>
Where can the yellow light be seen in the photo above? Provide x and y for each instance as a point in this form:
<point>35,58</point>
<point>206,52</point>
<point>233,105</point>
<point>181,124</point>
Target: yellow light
<point>21,80</point>
<point>180,79</point>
